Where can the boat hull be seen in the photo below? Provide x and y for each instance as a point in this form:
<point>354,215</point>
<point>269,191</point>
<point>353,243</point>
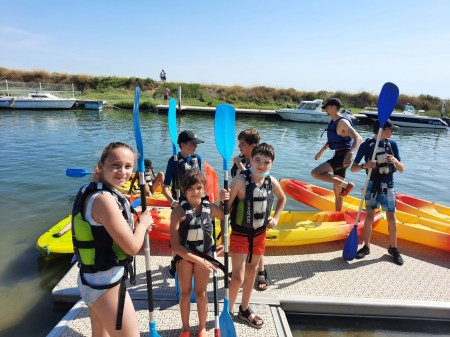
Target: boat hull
<point>409,226</point>
<point>304,117</point>
<point>43,104</point>
<point>412,121</point>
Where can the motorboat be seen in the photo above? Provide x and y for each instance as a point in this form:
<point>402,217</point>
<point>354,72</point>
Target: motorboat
<point>408,118</point>
<point>40,100</point>
<point>6,102</point>
<point>309,112</point>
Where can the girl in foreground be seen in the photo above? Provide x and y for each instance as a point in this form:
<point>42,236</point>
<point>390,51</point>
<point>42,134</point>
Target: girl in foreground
<point>104,244</point>
<point>191,232</point>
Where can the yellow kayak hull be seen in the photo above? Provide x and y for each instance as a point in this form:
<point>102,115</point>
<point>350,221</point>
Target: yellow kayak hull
<point>47,244</point>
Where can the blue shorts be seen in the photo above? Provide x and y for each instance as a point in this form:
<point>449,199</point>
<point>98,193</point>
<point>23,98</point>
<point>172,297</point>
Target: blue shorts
<point>383,196</point>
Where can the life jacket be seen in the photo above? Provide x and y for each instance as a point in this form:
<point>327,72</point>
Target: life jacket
<point>149,178</point>
<point>383,168</point>
<point>94,248</point>
<point>234,168</point>
<point>183,167</point>
<point>249,216</point>
<point>196,230</point>
<point>336,141</point>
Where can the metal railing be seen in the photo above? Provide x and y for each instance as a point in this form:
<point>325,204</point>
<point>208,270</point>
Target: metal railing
<point>10,87</point>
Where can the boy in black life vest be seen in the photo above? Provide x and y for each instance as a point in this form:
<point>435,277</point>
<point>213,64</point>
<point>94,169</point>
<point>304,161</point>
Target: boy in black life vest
<point>380,190</point>
<point>251,196</point>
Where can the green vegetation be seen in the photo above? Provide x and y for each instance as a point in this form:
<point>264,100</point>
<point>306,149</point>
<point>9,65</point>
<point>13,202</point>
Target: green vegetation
<point>119,91</point>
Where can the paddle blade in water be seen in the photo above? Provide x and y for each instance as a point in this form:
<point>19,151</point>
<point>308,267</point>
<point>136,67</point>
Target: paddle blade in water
<point>76,173</point>
<point>137,130</point>
<point>351,245</point>
<point>226,323</point>
<point>172,120</point>
<point>224,125</point>
<point>387,101</point>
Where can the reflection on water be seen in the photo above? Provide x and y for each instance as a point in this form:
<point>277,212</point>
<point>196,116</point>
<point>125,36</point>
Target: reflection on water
<point>326,326</point>
<point>38,146</point>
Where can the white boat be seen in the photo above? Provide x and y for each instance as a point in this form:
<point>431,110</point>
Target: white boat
<point>309,112</point>
<point>408,118</point>
<point>41,100</point>
<point>6,102</point>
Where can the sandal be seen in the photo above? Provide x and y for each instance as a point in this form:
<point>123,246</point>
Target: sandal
<point>244,315</point>
<point>185,334</point>
<point>347,190</point>
<point>263,281</point>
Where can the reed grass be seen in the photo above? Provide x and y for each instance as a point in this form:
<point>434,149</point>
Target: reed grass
<point>119,91</point>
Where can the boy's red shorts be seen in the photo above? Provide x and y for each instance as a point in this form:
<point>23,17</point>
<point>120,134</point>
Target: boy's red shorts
<point>239,244</point>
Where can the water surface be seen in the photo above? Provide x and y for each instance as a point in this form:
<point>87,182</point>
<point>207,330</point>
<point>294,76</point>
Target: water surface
<point>37,146</point>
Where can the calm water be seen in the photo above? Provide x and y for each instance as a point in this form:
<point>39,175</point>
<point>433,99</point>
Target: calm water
<point>36,148</point>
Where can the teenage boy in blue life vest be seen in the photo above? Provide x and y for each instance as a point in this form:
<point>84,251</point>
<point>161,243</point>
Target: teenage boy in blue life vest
<point>380,190</point>
<point>251,195</point>
<point>344,140</point>
<point>187,160</point>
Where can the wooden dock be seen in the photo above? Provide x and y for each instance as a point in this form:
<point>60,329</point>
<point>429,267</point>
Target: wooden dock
<point>310,279</point>
<point>185,109</point>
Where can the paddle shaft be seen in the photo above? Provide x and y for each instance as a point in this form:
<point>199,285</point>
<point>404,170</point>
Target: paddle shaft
<point>369,173</point>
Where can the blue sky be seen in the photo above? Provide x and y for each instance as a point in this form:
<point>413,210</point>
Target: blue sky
<point>306,45</point>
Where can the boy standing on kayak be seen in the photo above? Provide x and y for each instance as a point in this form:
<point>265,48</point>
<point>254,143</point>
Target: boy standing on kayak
<point>380,190</point>
<point>251,196</point>
<point>344,140</point>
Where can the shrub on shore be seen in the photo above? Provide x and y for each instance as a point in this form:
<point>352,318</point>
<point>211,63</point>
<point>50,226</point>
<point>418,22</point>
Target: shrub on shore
<point>119,91</point>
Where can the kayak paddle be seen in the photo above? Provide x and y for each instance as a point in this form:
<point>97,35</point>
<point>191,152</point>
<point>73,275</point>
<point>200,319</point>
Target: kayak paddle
<point>212,193</point>
<point>77,173</point>
<point>386,104</point>
<point>141,170</point>
<point>172,121</point>
<point>224,126</point>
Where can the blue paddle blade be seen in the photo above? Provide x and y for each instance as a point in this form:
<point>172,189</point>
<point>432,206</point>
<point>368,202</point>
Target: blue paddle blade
<point>224,128</point>
<point>172,119</point>
<point>227,328</point>
<point>137,130</point>
<point>387,101</point>
<point>76,173</point>
<point>351,245</point>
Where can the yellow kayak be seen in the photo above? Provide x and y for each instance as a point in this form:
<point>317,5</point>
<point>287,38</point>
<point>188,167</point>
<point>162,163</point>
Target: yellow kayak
<point>409,226</point>
<point>47,243</point>
<point>297,228</point>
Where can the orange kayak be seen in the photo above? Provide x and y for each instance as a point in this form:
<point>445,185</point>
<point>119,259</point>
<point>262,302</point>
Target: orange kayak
<point>410,227</point>
<point>424,208</point>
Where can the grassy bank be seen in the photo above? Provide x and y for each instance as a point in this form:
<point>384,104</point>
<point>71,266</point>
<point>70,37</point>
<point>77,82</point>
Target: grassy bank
<point>119,91</point>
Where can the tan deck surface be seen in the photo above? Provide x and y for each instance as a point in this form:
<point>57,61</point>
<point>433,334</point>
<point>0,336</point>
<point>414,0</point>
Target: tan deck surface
<point>311,278</point>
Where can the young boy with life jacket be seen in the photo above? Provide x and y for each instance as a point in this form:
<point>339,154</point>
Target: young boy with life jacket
<point>191,240</point>
<point>344,140</point>
<point>251,196</point>
<point>247,140</point>
<point>105,241</point>
<point>153,180</point>
<point>187,160</point>
<point>380,190</point>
